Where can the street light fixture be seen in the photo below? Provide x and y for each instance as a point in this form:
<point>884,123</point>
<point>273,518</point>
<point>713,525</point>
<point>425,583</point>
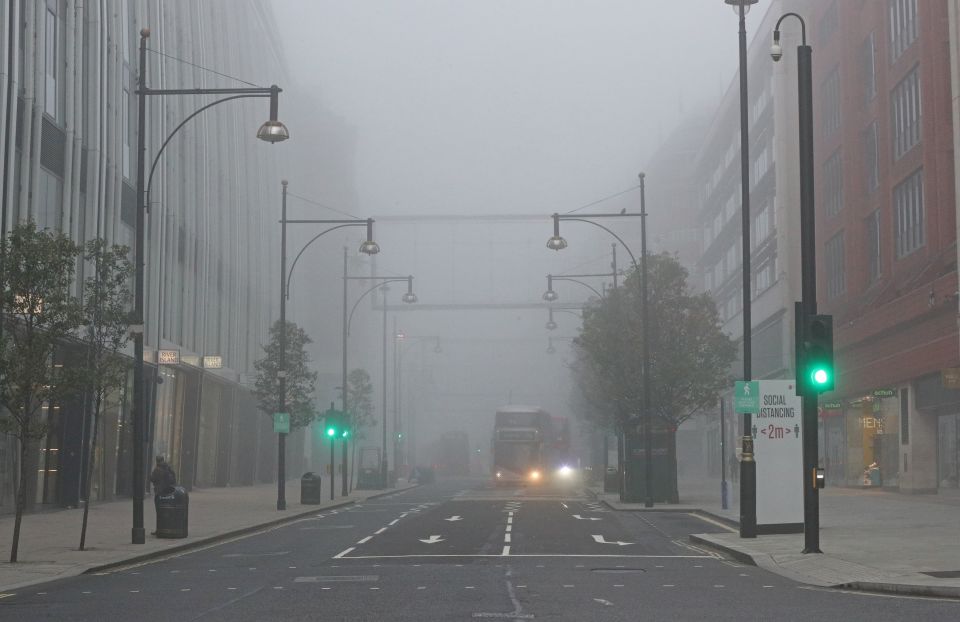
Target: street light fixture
<point>556,242</point>
<point>807,308</point>
<point>748,467</point>
<point>550,295</point>
<point>272,131</point>
<point>551,325</point>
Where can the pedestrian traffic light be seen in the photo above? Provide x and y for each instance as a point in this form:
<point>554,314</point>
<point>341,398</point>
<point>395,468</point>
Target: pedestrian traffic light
<point>817,373</point>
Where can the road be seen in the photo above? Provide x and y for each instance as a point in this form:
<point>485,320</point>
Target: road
<point>459,550</point>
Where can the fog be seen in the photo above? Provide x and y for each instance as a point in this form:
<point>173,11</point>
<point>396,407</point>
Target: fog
<point>415,112</point>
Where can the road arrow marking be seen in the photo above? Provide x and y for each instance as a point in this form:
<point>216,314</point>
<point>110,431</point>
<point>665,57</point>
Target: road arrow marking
<point>432,540</point>
<point>600,540</point>
<point>578,517</point>
<point>453,518</point>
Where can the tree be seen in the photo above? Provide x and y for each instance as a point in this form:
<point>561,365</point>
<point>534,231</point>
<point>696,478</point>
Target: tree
<point>300,380</point>
<point>689,355</point>
<point>39,313</point>
<point>106,299</point>
<point>360,400</point>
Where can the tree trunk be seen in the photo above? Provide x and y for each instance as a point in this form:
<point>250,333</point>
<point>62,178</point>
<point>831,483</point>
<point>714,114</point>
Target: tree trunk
<point>21,497</point>
<point>672,448</point>
<point>353,464</point>
<point>88,476</point>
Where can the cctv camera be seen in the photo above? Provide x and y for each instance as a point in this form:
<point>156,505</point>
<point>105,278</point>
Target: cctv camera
<point>776,52</point>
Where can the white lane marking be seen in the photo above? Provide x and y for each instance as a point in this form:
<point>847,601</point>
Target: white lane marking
<point>543,555</point>
<point>364,540</point>
<point>578,517</point>
<point>394,521</point>
<point>509,520</point>
<point>468,587</point>
<point>717,586</point>
<point>565,506</point>
<point>509,616</point>
<point>521,586</point>
<point>605,603</point>
<point>567,586</point>
<point>379,531</point>
<point>509,528</point>
<point>433,539</point>
<point>231,588</point>
<point>669,585</point>
<point>278,587</point>
<point>184,589</point>
<point>326,588</point>
<point>374,588</point>
<point>506,537</point>
<point>618,585</point>
<point>875,594</point>
<point>421,587</point>
<point>715,523</point>
<point>342,553</point>
<point>134,591</point>
<point>453,519</point>
<point>600,540</point>
<point>506,551</point>
<point>272,554</point>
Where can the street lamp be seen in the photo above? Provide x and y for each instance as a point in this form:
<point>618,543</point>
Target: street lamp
<point>368,247</point>
<point>272,131</point>
<point>748,467</point>
<point>808,278</point>
<point>551,325</point>
<point>408,298</point>
<point>556,242</point>
<point>550,295</point>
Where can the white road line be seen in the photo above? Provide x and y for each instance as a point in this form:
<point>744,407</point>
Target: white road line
<point>379,531</point>
<point>509,520</point>
<point>565,507</point>
<point>509,528</point>
<point>342,553</point>
<point>506,550</point>
<point>394,521</point>
<point>421,587</point>
<point>506,537</point>
<point>364,540</point>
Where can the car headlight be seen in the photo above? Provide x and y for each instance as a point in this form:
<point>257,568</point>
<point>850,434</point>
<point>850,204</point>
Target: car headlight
<point>534,475</point>
<point>499,474</point>
<point>565,471</point>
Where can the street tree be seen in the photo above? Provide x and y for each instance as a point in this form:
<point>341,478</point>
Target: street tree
<point>39,313</point>
<point>361,415</point>
<point>689,355</point>
<point>106,319</point>
<point>300,379</point>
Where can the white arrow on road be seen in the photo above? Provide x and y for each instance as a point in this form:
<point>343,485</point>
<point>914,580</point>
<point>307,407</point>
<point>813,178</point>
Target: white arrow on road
<point>578,517</point>
<point>600,540</point>
<point>432,540</point>
<point>453,518</point>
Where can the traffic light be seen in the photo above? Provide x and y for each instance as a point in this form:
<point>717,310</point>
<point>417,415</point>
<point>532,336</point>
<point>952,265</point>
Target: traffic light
<point>817,373</point>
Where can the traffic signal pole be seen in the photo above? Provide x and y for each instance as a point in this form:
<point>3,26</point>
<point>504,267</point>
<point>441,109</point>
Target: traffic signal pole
<point>808,262</point>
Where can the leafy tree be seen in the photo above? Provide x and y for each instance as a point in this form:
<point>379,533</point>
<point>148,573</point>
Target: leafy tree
<point>300,379</point>
<point>688,353</point>
<point>39,313</point>
<point>106,299</point>
<point>360,403</point>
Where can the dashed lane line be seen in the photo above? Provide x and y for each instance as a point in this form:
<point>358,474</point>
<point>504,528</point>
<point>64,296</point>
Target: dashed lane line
<point>364,540</point>
<point>342,553</point>
<point>379,531</point>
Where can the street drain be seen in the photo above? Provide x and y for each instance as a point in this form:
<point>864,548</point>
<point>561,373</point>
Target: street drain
<point>366,578</point>
<point>617,570</point>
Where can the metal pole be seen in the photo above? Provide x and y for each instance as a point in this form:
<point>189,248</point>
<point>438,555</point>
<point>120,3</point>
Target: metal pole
<point>333,468</point>
<point>343,374</point>
<point>138,535</point>
<point>647,424</point>
<point>384,467</point>
<point>396,425</point>
<point>613,265</point>
<point>748,468</point>
<point>724,496</point>
<point>808,261</point>
<point>282,372</point>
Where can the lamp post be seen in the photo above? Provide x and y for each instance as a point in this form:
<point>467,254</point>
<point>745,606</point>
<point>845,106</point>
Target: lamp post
<point>808,272</point>
<point>748,468</point>
<point>551,296</point>
<point>368,247</point>
<point>556,242</point>
<point>409,297</point>
<point>272,131</point>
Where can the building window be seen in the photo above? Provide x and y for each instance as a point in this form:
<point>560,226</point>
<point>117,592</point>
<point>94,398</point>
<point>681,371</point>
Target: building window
<point>830,103</point>
<point>125,128</point>
<point>764,278</point>
<point>868,56</point>
<point>908,218</point>
<point>871,159</point>
<point>761,164</point>
<point>761,227</point>
<point>50,65</point>
<point>903,26</point>
<point>873,246</point>
<point>828,24</point>
<point>836,277</point>
<point>905,111</point>
<point>833,184</point>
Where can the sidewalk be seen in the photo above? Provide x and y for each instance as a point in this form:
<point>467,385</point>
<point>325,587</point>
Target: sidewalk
<point>49,540</point>
<point>871,539</point>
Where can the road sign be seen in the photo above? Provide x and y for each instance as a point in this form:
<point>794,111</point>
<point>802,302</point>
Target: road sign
<point>746,397</point>
<point>281,423</point>
<point>778,450</point>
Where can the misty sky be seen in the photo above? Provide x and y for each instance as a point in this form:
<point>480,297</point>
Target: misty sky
<point>492,107</point>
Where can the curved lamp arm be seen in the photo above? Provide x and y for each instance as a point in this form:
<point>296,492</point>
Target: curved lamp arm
<point>588,286</point>
<point>359,223</point>
<point>156,158</point>
<point>619,239</point>
<point>366,293</point>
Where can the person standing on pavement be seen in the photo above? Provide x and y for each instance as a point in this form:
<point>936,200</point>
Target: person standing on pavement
<point>163,479</point>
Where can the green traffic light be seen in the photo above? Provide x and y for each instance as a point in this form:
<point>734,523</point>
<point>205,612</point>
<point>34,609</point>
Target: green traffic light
<point>345,434</point>
<point>331,431</point>
<point>820,376</point>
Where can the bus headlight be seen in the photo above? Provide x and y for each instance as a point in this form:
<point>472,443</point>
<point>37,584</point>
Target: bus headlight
<point>535,476</point>
<point>565,472</point>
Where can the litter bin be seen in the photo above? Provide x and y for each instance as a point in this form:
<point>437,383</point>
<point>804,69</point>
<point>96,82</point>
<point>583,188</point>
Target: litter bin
<point>611,481</point>
<point>172,512</point>
<point>310,489</point>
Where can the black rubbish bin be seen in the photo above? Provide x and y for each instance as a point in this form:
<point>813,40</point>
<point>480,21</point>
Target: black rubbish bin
<point>172,513</point>
<point>611,480</point>
<point>310,489</point>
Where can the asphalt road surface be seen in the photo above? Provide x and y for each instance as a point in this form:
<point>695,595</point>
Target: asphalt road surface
<point>460,550</point>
